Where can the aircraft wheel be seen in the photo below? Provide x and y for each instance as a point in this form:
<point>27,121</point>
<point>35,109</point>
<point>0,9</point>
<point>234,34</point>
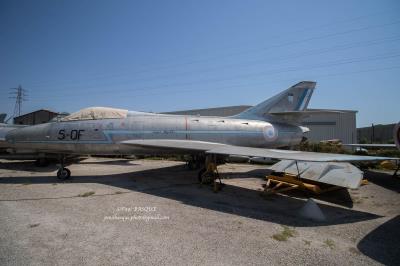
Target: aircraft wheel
<point>63,173</point>
<point>207,178</point>
<point>193,165</point>
<point>200,175</point>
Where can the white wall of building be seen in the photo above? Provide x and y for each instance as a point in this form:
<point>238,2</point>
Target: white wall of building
<point>340,124</point>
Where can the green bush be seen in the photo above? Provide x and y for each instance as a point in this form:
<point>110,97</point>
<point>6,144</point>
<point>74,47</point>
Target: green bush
<point>327,147</point>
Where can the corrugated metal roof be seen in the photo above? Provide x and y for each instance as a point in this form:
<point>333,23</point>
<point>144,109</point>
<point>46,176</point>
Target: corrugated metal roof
<point>35,112</point>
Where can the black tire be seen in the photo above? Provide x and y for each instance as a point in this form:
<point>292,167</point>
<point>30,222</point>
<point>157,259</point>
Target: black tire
<point>207,178</point>
<point>200,175</point>
<point>63,173</point>
<point>191,165</point>
<point>197,165</point>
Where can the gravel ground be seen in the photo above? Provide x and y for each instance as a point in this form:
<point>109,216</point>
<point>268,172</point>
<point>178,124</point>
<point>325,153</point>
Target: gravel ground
<point>146,212</point>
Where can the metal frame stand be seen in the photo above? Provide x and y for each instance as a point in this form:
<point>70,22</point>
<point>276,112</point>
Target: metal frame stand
<point>211,172</point>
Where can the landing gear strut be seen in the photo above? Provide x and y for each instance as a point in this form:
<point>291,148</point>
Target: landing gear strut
<point>63,173</point>
<point>209,174</point>
<point>194,162</point>
<point>397,169</point>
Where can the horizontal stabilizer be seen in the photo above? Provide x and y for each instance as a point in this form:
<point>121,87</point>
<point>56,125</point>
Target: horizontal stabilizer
<point>371,145</point>
<point>299,116</point>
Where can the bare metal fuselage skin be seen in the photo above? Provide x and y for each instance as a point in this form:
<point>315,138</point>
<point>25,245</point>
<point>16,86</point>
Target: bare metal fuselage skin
<point>104,136</point>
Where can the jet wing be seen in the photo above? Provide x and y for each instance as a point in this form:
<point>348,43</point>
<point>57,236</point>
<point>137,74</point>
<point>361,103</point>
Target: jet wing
<point>174,145</point>
<point>224,149</point>
<point>371,145</point>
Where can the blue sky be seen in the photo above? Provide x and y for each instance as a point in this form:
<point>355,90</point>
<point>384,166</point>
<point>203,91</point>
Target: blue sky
<point>173,55</point>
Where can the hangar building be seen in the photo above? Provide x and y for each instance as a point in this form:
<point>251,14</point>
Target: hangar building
<point>332,125</point>
<point>376,134</point>
<point>37,117</point>
<point>340,124</point>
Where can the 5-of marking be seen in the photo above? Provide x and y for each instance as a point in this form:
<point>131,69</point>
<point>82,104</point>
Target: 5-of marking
<point>74,135</point>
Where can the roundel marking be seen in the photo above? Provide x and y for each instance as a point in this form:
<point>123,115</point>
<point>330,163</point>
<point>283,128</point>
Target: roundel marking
<point>270,133</point>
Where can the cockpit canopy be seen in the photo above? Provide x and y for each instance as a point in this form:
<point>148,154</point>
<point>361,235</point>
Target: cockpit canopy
<point>93,113</point>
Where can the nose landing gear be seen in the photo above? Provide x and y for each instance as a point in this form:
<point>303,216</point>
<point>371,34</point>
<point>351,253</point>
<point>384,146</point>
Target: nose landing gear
<point>63,173</point>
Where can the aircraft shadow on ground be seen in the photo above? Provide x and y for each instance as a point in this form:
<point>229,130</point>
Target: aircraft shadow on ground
<point>340,197</point>
<point>384,180</point>
<point>26,166</point>
<point>179,184</point>
<point>32,167</point>
<point>382,244</point>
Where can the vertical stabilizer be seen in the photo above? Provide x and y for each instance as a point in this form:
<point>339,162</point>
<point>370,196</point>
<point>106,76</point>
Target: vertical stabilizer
<point>296,98</point>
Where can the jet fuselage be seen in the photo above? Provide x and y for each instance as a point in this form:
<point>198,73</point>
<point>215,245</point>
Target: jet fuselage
<point>103,136</point>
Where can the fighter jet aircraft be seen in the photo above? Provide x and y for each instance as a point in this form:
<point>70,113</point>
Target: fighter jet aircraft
<point>256,132</point>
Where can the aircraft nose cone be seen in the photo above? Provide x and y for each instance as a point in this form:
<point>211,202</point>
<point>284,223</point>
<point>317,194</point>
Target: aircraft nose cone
<point>5,139</point>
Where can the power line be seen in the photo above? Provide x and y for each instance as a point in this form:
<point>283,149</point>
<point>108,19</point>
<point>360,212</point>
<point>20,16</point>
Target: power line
<point>245,86</point>
<point>251,63</point>
<point>67,89</point>
<point>19,96</point>
<point>269,72</point>
<point>229,55</point>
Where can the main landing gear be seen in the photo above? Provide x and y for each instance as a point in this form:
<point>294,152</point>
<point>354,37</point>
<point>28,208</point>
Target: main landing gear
<point>195,162</point>
<point>209,173</point>
<point>397,170</point>
<point>63,173</point>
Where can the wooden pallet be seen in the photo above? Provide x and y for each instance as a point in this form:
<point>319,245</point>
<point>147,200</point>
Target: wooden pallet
<point>286,182</point>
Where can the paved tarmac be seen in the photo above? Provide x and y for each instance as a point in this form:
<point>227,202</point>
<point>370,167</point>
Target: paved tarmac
<point>146,212</point>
